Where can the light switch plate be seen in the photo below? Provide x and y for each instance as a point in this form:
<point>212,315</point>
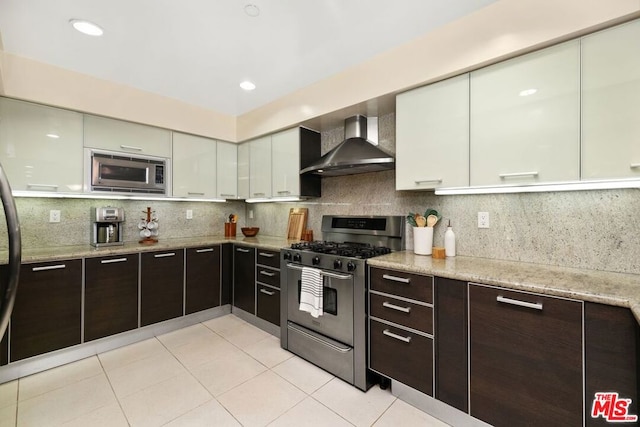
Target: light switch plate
<point>483,219</point>
<point>189,214</point>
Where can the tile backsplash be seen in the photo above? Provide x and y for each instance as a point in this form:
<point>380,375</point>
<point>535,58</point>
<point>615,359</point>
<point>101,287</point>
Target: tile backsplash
<point>587,229</point>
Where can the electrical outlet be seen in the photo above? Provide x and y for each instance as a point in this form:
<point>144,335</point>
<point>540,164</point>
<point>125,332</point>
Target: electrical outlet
<point>251,214</point>
<point>54,216</point>
<point>189,214</point>
<point>483,219</point>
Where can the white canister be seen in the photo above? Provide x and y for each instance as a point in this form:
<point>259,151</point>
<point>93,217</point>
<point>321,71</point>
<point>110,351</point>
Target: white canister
<point>422,240</point>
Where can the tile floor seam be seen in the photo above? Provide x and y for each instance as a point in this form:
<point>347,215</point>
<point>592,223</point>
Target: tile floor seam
<point>115,395</point>
<point>385,411</point>
<point>330,409</point>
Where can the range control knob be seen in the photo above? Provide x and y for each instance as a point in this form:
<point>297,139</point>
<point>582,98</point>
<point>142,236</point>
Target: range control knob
<point>315,260</point>
<point>297,258</point>
<point>351,266</point>
<point>337,264</point>
<point>287,256</point>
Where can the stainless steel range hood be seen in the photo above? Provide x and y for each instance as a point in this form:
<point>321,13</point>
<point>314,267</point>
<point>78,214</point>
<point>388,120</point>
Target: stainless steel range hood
<point>356,154</point>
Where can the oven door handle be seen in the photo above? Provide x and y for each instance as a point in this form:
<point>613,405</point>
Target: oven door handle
<point>324,273</point>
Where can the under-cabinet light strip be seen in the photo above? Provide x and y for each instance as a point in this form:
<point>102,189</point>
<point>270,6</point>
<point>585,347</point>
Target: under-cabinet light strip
<point>605,185</point>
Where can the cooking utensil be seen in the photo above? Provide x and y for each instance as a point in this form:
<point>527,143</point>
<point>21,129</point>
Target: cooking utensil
<point>421,221</point>
<point>431,220</point>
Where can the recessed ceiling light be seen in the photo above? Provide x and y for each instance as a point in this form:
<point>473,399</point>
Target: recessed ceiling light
<point>247,85</point>
<point>86,27</point>
<point>528,92</point>
<point>252,10</point>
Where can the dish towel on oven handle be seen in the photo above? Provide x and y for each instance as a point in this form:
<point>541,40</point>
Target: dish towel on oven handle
<point>311,291</point>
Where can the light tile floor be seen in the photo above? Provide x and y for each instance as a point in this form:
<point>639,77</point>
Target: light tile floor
<point>223,372</point>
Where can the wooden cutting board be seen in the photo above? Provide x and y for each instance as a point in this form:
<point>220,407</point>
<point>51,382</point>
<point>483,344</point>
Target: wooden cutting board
<point>297,223</point>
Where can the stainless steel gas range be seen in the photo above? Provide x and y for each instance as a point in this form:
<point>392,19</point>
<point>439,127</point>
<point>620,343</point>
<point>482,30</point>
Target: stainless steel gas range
<point>336,339</point>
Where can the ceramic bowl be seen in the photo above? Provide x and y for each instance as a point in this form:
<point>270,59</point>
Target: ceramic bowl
<point>250,231</point>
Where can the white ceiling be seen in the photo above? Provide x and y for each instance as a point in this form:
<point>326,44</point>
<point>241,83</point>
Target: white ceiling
<point>198,51</point>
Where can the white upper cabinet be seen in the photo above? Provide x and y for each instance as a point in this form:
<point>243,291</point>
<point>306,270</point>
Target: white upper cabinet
<point>260,167</point>
<point>227,170</point>
<point>118,135</point>
<point>194,166</point>
<point>41,147</point>
<point>285,158</point>
<point>243,171</point>
<point>611,103</point>
<point>525,119</point>
<point>432,136</point>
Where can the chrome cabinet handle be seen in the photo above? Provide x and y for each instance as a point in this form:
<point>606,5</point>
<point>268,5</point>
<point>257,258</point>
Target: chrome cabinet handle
<point>634,165</point>
<point>396,307</point>
<point>396,336</point>
<point>518,174</point>
<point>258,194</point>
<point>111,261</point>
<point>164,255</point>
<point>535,306</point>
<point>266,292</point>
<point>49,267</point>
<point>284,192</point>
<point>199,251</point>
<point>264,254</point>
<point>43,185</point>
<point>242,250</point>
<point>227,195</point>
<point>130,147</point>
<point>193,193</point>
<point>396,278</point>
<point>267,273</point>
<point>431,180</point>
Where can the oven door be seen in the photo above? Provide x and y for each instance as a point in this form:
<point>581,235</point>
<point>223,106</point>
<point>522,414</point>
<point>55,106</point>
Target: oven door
<point>337,319</point>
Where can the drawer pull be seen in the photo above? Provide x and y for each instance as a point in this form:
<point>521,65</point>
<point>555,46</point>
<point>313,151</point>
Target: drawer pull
<point>396,278</point>
<point>266,292</point>
<point>258,194</point>
<point>518,174</point>
<point>267,273</point>
<point>43,185</point>
<point>200,251</point>
<point>195,193</point>
<point>164,255</point>
<point>227,195</point>
<point>130,147</point>
<point>429,181</point>
<point>396,307</point>
<point>264,254</point>
<point>284,192</point>
<point>396,336</point>
<point>111,261</point>
<point>535,306</point>
<point>634,165</point>
<point>49,267</point>
<point>246,251</point>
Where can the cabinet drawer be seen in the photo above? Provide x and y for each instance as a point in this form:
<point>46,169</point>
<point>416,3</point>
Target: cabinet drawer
<point>408,285</point>
<point>268,258</point>
<point>269,304</point>
<point>404,313</point>
<point>402,355</point>
<point>268,276</point>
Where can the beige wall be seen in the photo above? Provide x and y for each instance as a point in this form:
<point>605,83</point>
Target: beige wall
<point>503,29</point>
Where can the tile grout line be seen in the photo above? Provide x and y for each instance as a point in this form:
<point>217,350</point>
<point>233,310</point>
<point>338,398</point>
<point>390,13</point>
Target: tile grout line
<point>113,390</point>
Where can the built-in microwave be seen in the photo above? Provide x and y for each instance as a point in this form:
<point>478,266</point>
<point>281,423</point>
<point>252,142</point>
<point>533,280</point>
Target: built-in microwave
<point>120,172</point>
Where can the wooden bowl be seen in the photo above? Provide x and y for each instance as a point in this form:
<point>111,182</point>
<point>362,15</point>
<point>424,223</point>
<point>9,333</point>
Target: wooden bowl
<point>250,231</point>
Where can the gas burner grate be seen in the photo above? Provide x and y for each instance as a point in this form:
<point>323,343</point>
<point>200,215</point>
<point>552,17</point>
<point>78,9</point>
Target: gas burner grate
<point>346,249</point>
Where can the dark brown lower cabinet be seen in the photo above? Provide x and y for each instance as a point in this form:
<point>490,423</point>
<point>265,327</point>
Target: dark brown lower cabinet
<point>111,295</point>
<point>451,342</point>
<point>161,285</point>
<point>202,290</point>
<point>227,274</point>
<point>612,358</point>
<point>4,343</point>
<point>244,278</point>
<point>525,358</point>
<point>402,355</point>
<point>47,312</point>
<point>268,307</point>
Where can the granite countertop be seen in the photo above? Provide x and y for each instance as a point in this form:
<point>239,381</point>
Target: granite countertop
<point>589,285</point>
<point>84,251</point>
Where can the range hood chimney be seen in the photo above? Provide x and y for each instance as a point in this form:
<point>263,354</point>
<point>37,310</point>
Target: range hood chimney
<point>356,154</point>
